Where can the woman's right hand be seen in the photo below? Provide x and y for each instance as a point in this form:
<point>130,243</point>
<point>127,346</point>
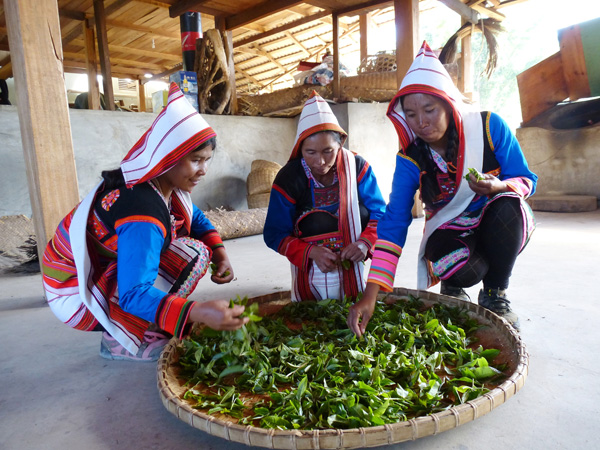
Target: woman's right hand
<point>325,259</point>
<point>217,315</point>
<point>360,313</point>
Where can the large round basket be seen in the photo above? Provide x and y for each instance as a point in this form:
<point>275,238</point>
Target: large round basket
<point>496,333</point>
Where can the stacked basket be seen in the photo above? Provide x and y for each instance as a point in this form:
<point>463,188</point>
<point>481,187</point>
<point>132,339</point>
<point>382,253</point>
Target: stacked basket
<point>259,182</point>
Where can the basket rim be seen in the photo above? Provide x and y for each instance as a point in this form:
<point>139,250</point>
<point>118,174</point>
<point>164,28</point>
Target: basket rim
<point>356,437</point>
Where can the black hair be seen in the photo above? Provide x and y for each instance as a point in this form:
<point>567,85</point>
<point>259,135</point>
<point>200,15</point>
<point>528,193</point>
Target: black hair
<point>429,186</point>
<point>339,137</point>
<point>114,179</point>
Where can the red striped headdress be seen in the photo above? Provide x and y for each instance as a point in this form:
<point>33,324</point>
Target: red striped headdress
<point>426,75</point>
<point>176,131</point>
<point>316,116</point>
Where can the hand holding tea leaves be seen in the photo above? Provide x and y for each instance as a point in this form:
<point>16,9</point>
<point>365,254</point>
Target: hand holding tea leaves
<point>485,184</point>
<point>221,270</point>
<point>218,315</point>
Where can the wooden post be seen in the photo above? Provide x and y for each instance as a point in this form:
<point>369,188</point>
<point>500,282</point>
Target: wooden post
<point>36,53</point>
<point>364,21</point>
<point>92,65</point>
<point>465,83</point>
<point>100,18</point>
<point>407,35</point>
<point>141,96</point>
<point>407,32</point>
<point>336,56</point>
<point>228,36</point>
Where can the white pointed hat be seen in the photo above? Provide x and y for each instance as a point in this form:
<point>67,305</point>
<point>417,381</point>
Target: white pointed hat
<point>316,116</point>
<point>176,131</point>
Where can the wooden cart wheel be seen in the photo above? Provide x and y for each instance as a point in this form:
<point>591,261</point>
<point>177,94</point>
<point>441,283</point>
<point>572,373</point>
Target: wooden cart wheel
<point>214,84</point>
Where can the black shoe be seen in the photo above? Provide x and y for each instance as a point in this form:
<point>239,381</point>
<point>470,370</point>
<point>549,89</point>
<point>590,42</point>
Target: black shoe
<point>495,300</point>
<point>454,291</point>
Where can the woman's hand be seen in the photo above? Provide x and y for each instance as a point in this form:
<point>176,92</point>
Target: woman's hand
<point>355,252</point>
<point>224,272</point>
<point>360,313</point>
<point>217,315</point>
<point>489,186</point>
<point>325,259</point>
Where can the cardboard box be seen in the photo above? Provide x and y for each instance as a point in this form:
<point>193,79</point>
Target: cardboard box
<point>188,83</point>
<point>159,100</point>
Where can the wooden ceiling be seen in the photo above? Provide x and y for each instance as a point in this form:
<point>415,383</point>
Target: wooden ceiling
<point>270,37</point>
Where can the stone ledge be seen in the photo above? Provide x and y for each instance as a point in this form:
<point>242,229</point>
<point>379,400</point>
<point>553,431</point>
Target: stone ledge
<point>563,203</point>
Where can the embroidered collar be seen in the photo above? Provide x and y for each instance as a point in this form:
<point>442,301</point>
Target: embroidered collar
<point>311,177</point>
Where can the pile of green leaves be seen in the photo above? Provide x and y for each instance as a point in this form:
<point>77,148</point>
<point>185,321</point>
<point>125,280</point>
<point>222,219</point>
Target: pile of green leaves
<point>412,361</point>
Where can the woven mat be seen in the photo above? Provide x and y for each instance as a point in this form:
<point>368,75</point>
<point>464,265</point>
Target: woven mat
<point>15,231</point>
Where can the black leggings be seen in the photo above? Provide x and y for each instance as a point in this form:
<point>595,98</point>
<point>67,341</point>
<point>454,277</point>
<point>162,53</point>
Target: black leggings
<point>493,246</point>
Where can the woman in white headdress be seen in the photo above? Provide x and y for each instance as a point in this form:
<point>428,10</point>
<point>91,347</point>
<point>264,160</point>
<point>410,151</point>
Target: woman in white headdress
<point>323,209</point>
<point>476,223</point>
<point>125,259</point>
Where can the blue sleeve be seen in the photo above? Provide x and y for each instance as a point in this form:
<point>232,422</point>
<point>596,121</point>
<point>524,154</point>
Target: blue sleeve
<point>508,152</point>
<point>138,258</point>
<point>279,223</point>
<point>393,226</point>
<point>370,195</point>
<point>200,223</point>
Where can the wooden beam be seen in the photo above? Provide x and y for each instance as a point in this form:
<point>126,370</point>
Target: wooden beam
<point>142,29</point>
<point>488,12</point>
<point>74,34</point>
<point>297,42</point>
<point>363,23</point>
<point>184,6</point>
<point>43,112</point>
<point>118,61</point>
<point>114,7</point>
<point>336,55</point>
<point>506,3</point>
<point>461,9</point>
<point>166,73</point>
<point>92,64</point>
<point>282,28</point>
<point>6,71</point>
<point>363,8</point>
<point>138,52</point>
<point>258,12</point>
<point>100,18</point>
<point>465,82</point>
<point>73,15</point>
<point>407,31</point>
<point>141,96</point>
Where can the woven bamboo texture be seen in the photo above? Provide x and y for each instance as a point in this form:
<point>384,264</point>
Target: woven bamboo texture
<point>259,181</point>
<point>235,224</point>
<point>258,200</point>
<point>171,391</point>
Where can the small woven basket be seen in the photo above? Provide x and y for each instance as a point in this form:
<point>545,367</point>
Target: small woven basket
<point>260,181</point>
<point>258,200</point>
<point>497,331</point>
<point>259,164</point>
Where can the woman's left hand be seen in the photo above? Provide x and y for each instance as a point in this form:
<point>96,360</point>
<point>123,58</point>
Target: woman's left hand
<point>489,186</point>
<point>224,272</point>
<point>355,252</point>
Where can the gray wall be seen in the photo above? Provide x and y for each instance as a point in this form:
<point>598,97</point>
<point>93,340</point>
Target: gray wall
<point>102,138</point>
<point>567,162</point>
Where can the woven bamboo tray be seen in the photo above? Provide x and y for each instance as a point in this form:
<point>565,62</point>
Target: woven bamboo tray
<point>497,333</point>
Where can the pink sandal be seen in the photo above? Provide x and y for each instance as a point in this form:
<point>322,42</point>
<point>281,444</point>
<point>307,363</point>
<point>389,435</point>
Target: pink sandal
<point>149,351</point>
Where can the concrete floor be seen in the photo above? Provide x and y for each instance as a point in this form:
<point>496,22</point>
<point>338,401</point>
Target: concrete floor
<point>57,393</point>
